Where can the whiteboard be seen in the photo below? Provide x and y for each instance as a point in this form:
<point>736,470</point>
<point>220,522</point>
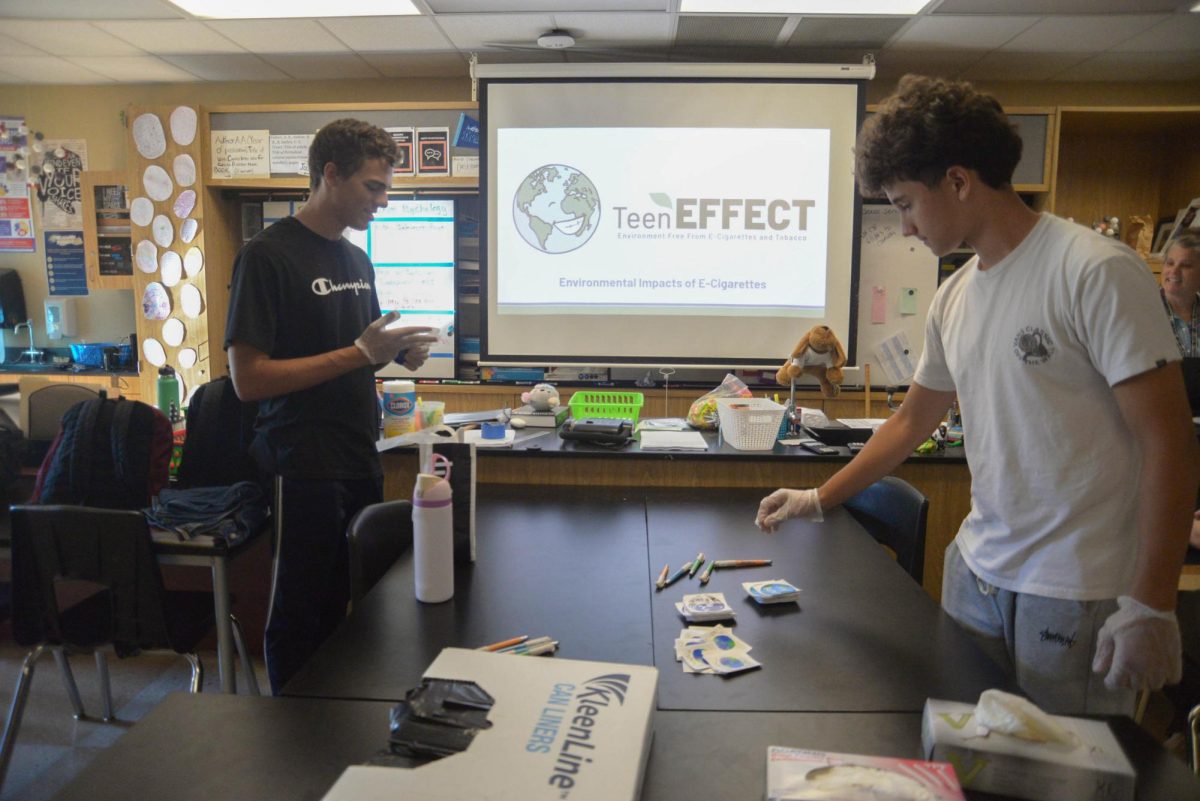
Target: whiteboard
<point>890,265</point>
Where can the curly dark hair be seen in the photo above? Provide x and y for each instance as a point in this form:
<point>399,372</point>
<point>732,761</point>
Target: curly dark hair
<point>347,143</point>
<point>930,125</point>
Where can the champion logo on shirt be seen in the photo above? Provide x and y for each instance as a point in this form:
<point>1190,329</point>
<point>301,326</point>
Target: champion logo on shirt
<point>323,286</point>
<point>1033,345</point>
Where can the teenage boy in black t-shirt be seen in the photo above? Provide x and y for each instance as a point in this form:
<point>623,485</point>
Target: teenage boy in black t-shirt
<point>305,336</point>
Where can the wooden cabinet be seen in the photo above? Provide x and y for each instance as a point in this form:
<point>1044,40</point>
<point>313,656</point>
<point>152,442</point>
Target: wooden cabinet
<point>107,234</point>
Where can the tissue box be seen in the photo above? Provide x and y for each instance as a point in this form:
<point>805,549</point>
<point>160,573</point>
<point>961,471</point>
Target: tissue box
<point>799,774</point>
<point>996,763</point>
<point>561,728</point>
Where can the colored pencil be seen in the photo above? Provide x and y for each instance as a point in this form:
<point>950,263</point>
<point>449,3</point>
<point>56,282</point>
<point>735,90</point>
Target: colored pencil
<point>662,577</point>
<point>696,565</point>
<point>727,563</point>
<point>496,646</point>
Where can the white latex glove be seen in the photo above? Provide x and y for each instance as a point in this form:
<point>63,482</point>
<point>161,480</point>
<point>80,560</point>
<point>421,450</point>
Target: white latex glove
<point>413,358</point>
<point>1138,647</point>
<point>381,344</point>
<point>784,504</point>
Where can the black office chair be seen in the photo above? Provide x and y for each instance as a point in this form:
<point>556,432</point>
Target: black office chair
<point>894,513</point>
<point>42,407</point>
<point>85,579</point>
<point>376,537</point>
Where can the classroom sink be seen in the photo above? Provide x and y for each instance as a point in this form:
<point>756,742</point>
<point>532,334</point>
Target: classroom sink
<point>27,367</point>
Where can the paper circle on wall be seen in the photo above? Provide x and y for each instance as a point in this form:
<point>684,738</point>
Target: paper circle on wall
<point>157,183</point>
<point>172,332</point>
<point>156,303</point>
<point>152,349</point>
<point>190,301</point>
<point>193,261</point>
<point>188,230</point>
<point>183,125</point>
<point>187,358</point>
<point>184,169</point>
<point>148,136</point>
<point>162,230</point>
<point>146,256</point>
<point>141,211</point>
<point>185,203</point>
<point>172,268</point>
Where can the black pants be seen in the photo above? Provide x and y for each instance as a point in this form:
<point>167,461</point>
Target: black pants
<point>310,578</point>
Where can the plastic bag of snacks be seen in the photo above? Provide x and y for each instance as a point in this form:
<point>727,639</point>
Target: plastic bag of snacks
<point>703,413</point>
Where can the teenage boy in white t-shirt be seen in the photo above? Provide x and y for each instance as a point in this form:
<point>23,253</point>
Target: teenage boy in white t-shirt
<point>1076,424</point>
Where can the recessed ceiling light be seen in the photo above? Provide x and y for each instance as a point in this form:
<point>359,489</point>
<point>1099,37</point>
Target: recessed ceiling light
<point>841,7</point>
<point>274,9</point>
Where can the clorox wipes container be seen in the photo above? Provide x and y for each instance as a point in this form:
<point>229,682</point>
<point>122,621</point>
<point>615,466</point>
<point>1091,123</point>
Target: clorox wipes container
<point>399,408</point>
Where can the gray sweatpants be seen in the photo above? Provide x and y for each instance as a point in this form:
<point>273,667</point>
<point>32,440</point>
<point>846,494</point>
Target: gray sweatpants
<point>1046,644</point>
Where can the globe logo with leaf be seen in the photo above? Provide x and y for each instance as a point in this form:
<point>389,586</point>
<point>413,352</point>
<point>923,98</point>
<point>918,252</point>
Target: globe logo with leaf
<point>556,208</point>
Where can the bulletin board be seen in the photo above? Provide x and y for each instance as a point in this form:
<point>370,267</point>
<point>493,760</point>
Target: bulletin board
<point>891,268</point>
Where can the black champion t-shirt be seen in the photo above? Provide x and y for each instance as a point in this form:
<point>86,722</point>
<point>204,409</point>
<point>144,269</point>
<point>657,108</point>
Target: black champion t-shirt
<point>296,293</point>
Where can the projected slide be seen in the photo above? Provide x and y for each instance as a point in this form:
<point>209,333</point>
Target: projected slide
<point>662,220</point>
<point>412,245</point>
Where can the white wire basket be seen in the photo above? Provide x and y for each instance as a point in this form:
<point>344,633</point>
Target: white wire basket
<point>749,424</point>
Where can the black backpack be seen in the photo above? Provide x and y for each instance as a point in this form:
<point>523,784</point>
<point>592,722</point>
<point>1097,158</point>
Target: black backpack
<point>109,453</point>
<point>220,428</point>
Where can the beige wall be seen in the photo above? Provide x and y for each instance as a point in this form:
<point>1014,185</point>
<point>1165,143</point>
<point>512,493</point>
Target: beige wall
<point>95,113</point>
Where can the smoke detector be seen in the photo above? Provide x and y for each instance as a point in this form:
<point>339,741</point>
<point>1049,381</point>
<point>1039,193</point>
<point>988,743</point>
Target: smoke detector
<point>556,40</point>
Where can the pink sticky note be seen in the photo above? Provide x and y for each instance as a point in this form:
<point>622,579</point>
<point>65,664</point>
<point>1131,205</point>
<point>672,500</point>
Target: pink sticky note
<point>878,305</point>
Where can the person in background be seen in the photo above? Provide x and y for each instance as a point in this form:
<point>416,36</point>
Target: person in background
<point>1076,427</point>
<point>304,336</point>
<point>1181,290</point>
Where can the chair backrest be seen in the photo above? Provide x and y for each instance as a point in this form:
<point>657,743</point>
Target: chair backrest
<point>44,403</point>
<point>376,537</point>
<point>52,545</point>
<point>894,513</point>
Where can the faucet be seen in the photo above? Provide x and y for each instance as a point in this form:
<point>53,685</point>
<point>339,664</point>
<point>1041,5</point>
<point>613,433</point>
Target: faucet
<point>33,353</point>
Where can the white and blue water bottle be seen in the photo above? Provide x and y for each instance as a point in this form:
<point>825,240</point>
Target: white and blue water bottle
<point>433,533</point>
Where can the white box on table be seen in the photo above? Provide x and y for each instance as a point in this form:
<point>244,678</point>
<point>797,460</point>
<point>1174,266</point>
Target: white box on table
<point>561,729</point>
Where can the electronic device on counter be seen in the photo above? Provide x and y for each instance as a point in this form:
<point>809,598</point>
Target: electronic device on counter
<point>600,430</point>
<point>855,447</point>
<point>815,446</point>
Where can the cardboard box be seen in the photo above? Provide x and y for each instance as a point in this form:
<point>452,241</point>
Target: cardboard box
<point>561,729</point>
<point>796,774</point>
<point>1095,767</point>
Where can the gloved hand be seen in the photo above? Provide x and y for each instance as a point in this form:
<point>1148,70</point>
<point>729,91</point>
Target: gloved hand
<point>413,358</point>
<point>1138,647</point>
<point>381,344</point>
<point>783,504</point>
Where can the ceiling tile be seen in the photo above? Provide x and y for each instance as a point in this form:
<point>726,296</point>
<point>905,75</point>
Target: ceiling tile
<point>290,36</point>
<point>68,38</point>
<point>866,32</point>
<point>322,66</point>
<point>171,37</point>
<point>134,69</point>
<point>948,32</point>
<point>48,69</point>
<point>533,55</point>
<point>1056,6</point>
<point>894,64</point>
<point>614,28</point>
<point>1179,33</point>
<point>1078,34</point>
<point>728,30</point>
<point>419,65</point>
<point>228,67</point>
<point>89,9</point>
<point>1184,70</point>
<point>475,31</point>
<point>11,47</point>
<point>1005,66</point>
<point>382,34</point>
<point>1119,67</point>
<point>555,6</point>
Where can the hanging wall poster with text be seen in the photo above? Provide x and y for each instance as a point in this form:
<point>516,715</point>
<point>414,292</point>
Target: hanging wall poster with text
<point>65,271</point>
<point>57,170</point>
<point>241,154</point>
<point>16,212</point>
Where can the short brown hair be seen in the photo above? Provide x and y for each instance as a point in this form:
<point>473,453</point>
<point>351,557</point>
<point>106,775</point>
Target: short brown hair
<point>347,143</point>
<point>930,125</point>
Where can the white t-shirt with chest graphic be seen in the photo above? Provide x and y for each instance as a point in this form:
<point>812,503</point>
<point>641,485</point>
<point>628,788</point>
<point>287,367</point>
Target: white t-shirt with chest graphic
<point>1033,346</point>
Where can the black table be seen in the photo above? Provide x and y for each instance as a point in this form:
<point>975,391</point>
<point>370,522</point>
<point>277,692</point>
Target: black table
<point>580,565</point>
<point>235,748</point>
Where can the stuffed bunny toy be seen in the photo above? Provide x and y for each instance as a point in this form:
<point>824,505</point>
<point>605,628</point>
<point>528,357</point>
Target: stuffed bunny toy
<point>819,354</point>
<point>543,397</point>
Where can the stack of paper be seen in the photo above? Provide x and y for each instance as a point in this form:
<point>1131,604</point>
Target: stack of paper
<point>673,441</point>
<point>773,591</point>
<point>714,649</point>
<point>705,606</point>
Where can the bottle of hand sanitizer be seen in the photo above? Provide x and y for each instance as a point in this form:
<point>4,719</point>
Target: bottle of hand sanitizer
<point>433,535</point>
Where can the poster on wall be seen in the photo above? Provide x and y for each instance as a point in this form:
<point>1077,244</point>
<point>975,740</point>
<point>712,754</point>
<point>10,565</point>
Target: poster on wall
<point>65,270</point>
<point>16,211</point>
<point>57,172</point>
